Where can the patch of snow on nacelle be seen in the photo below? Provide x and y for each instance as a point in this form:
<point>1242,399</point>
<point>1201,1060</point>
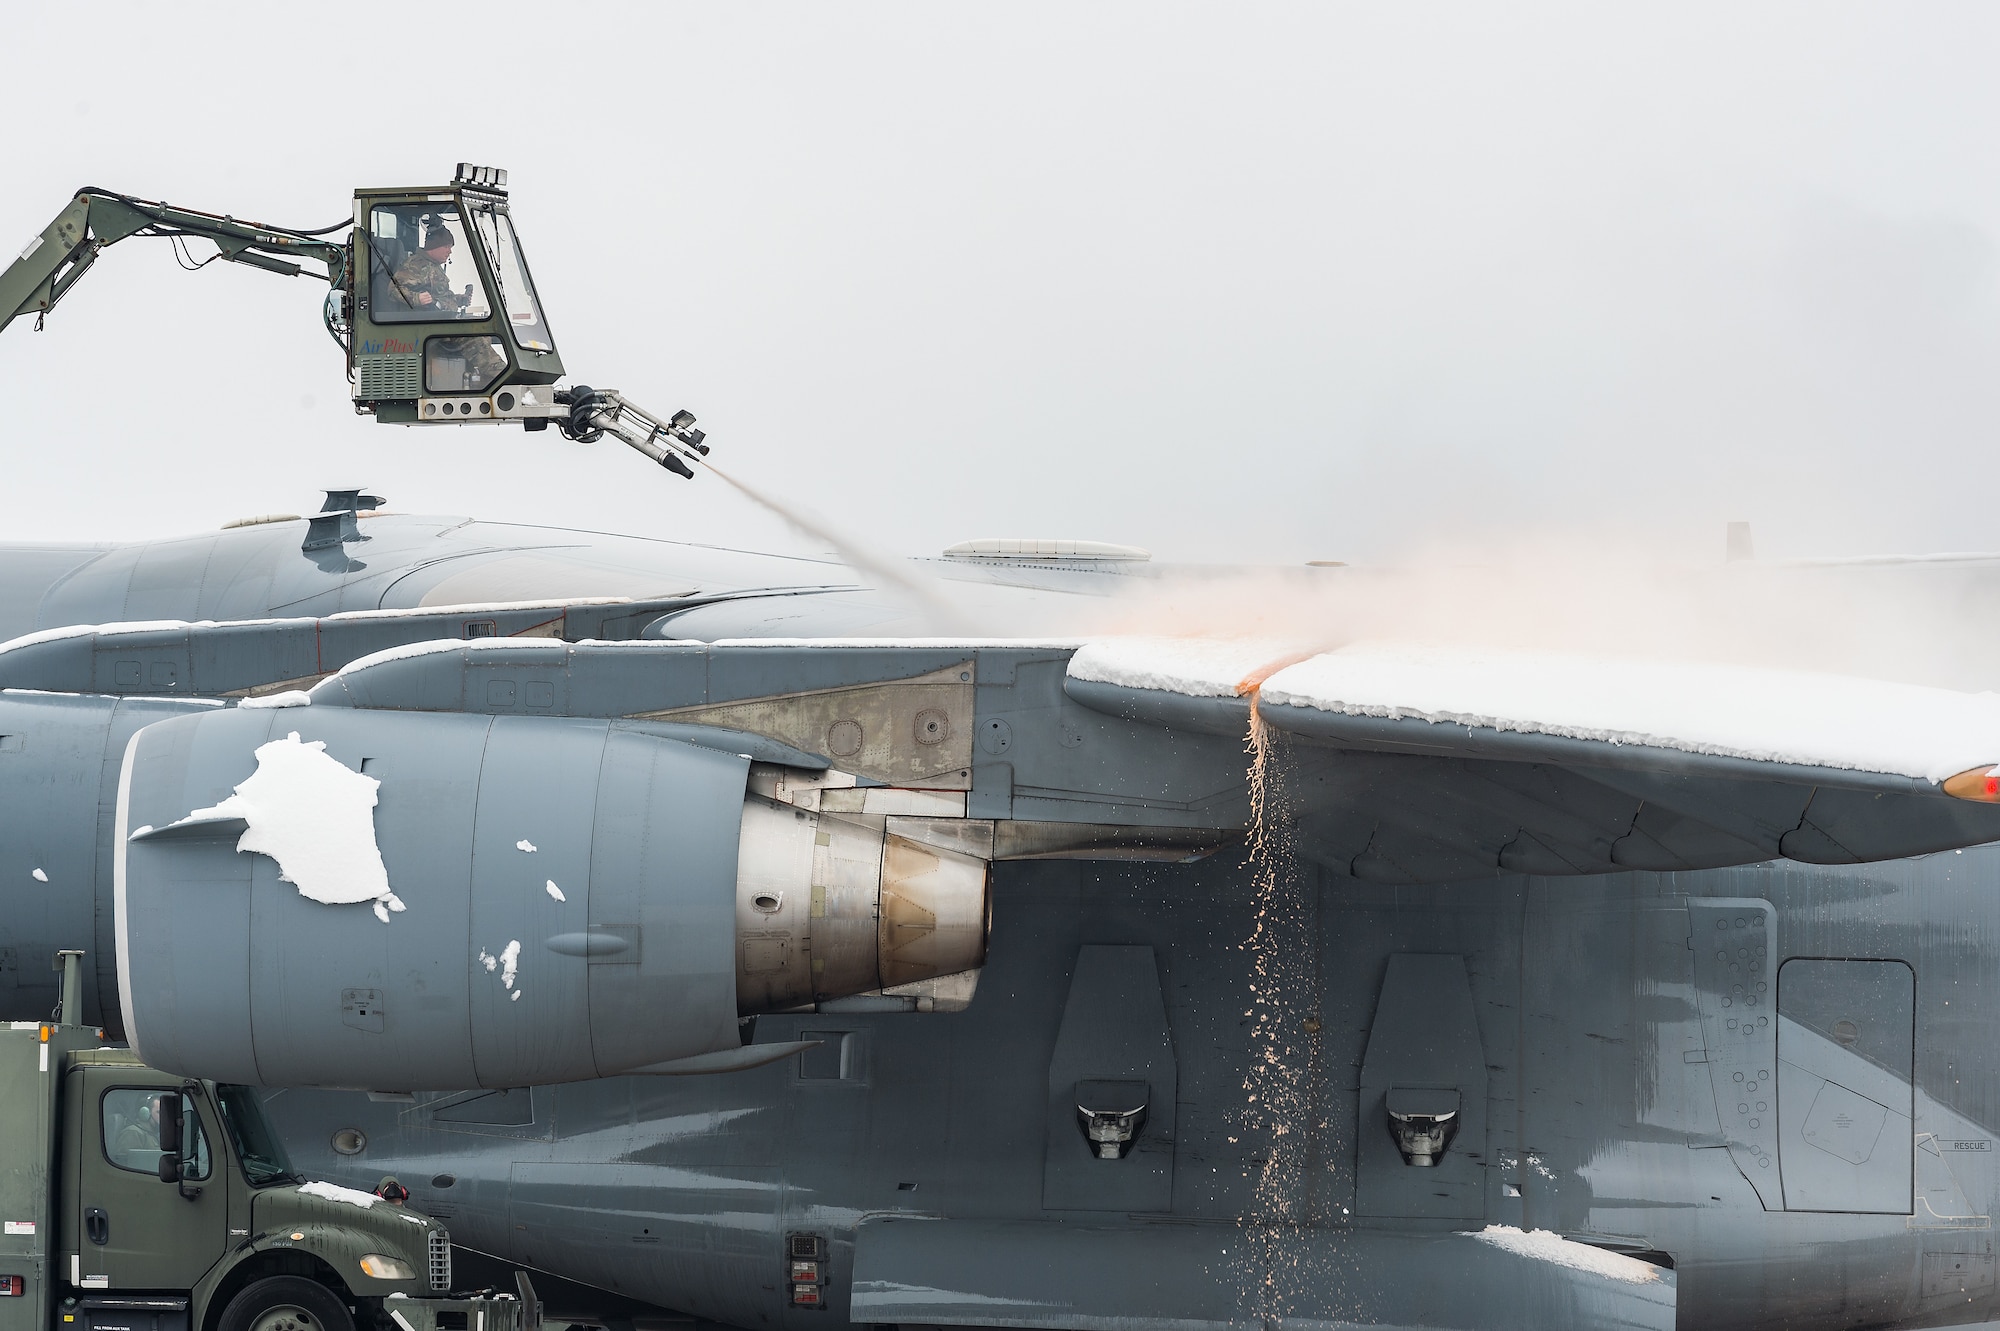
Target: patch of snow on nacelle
<point>312,815</point>
<point>289,698</point>
<point>437,646</point>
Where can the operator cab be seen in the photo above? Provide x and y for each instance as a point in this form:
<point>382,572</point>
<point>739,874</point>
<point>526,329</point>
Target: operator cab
<point>446,325</point>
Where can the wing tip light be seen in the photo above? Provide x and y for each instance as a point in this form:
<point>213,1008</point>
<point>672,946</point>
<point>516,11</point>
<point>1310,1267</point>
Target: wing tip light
<point>1981,784</point>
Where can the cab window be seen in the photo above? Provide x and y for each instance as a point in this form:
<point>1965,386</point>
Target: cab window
<point>131,1121</point>
<point>510,271</point>
<point>462,364</point>
<point>420,265</point>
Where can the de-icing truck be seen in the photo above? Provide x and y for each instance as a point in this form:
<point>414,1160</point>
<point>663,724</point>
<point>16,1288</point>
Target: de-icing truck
<point>133,1200</point>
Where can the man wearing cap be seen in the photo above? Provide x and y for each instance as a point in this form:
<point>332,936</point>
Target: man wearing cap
<point>421,278</point>
<point>421,281</point>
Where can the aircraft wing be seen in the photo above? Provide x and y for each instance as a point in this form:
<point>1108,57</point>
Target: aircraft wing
<point>1396,764</point>
<point>1420,764</point>
<point>1390,763</point>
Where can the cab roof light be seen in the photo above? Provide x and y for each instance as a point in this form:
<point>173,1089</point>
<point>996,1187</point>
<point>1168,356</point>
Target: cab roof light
<point>481,177</point>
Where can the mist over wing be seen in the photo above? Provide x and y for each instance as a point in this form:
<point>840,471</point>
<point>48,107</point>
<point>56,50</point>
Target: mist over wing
<point>1299,283</point>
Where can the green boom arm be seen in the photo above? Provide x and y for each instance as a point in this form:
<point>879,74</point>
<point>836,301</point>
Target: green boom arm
<point>54,260</point>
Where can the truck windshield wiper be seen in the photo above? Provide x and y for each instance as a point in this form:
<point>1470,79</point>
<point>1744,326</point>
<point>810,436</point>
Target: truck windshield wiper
<point>263,1172</point>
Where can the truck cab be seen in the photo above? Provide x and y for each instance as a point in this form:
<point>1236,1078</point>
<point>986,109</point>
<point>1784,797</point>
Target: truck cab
<point>132,1200</point>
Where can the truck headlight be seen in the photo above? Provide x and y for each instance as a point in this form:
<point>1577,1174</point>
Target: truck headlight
<point>386,1268</point>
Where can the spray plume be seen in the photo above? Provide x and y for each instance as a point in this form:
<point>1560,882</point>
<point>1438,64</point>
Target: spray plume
<point>944,616</point>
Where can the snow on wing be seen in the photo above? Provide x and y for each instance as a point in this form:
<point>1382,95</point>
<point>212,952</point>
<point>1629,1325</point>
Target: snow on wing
<point>1413,763</point>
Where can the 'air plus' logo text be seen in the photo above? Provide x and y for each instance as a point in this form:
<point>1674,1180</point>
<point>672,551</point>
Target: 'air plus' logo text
<point>389,345</point>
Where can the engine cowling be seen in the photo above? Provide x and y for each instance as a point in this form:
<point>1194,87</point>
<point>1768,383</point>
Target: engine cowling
<point>398,901</point>
<point>60,757</point>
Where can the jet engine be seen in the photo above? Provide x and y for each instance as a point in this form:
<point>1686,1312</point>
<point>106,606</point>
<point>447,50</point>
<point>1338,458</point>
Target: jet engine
<point>332,897</point>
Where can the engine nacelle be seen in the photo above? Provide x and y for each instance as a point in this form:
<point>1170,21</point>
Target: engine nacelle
<point>321,896</point>
<point>60,755</point>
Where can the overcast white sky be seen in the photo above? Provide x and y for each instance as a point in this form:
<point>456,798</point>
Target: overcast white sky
<point>1235,283</point>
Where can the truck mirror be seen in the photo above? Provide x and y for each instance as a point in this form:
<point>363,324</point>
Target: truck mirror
<point>170,1123</point>
<point>170,1137</point>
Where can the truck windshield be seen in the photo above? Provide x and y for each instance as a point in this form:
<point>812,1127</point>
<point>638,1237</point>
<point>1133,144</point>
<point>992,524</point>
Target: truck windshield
<point>262,1154</point>
<point>510,271</point>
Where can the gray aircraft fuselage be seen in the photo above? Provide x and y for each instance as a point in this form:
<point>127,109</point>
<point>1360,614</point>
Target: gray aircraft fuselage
<point>1604,1092</point>
<point>1774,1084</point>
<point>401,562</point>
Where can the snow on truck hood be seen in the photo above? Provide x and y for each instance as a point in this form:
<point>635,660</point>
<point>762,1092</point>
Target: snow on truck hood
<point>333,1192</point>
